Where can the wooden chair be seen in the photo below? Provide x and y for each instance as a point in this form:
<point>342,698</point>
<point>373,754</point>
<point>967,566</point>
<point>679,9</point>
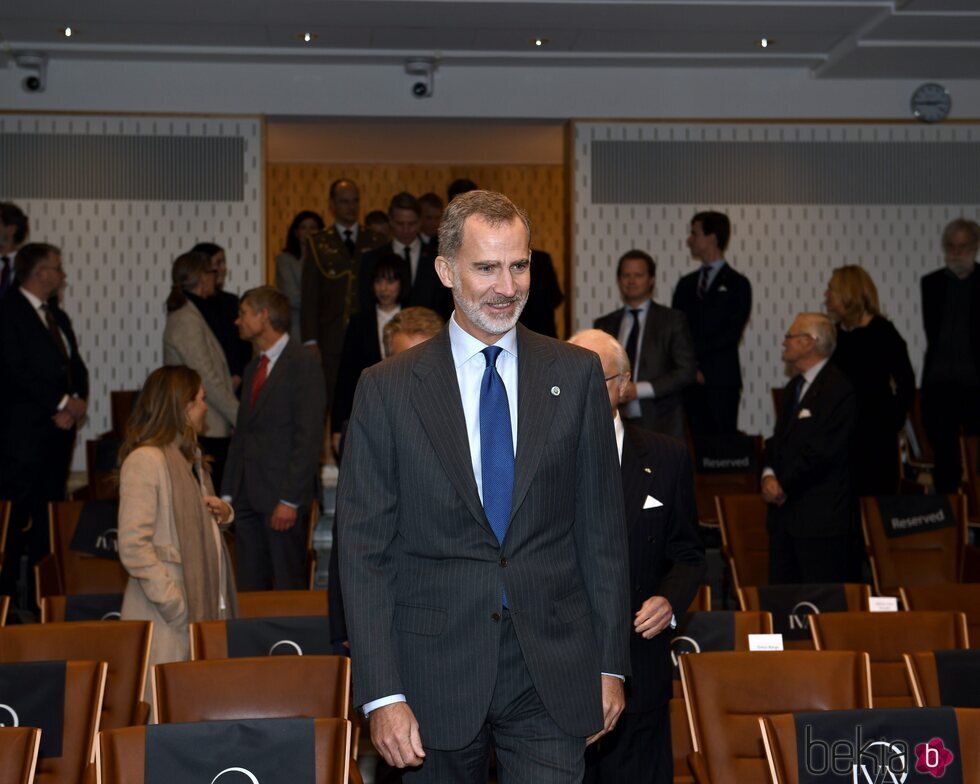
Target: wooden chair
<point>885,636</point>
<point>782,751</point>
<point>85,683</point>
<point>857,596</point>
<point>256,688</point>
<point>957,597</point>
<point>702,600</point>
<point>4,606</point>
<point>121,756</point>
<point>209,640</point>
<point>746,623</point>
<point>725,694</point>
<point>18,754</point>
<point>744,538</point>
<point>121,402</point>
<point>124,645</point>
<point>64,571</point>
<point>277,604</point>
<point>101,457</point>
<point>54,608</point>
<point>915,559</point>
<point>708,484</point>
<point>923,677</point>
<point>970,454</point>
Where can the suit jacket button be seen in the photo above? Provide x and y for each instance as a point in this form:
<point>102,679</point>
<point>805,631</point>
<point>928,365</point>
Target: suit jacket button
<point>495,617</point>
<point>503,562</point>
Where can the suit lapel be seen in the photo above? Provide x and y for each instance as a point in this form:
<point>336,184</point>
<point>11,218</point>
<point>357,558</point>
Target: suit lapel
<point>535,409</point>
<point>436,399</point>
<point>633,479</point>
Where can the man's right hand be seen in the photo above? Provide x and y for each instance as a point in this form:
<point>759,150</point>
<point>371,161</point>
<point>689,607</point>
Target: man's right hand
<point>395,734</point>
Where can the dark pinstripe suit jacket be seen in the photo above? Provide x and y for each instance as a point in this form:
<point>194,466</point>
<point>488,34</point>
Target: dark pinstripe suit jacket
<point>422,572</point>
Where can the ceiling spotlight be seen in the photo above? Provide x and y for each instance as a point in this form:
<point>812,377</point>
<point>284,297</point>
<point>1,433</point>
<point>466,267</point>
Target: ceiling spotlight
<point>306,37</point>
<point>764,43</point>
<point>68,32</point>
<point>539,41</point>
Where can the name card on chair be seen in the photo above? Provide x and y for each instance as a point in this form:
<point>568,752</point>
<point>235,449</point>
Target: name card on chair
<point>903,515</point>
<point>883,604</point>
<point>96,532</point>
<point>266,751</point>
<point>765,642</point>
<point>32,694</point>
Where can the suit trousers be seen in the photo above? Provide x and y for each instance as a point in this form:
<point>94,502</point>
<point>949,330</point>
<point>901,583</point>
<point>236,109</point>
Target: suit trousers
<point>267,559</point>
<point>529,746</point>
<point>638,751</point>
<point>711,410</point>
<point>946,409</point>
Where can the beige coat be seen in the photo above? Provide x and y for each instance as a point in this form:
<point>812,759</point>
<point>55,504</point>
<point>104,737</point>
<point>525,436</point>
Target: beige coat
<point>188,340</point>
<point>150,551</point>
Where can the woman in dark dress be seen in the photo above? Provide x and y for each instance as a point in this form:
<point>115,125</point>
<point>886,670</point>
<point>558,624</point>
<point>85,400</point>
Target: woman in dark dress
<point>876,360</point>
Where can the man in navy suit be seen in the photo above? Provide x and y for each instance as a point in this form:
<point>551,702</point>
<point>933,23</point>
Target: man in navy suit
<point>44,391</point>
<point>717,301</point>
<point>666,565</point>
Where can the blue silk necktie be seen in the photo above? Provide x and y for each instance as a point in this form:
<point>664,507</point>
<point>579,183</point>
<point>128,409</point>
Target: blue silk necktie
<point>496,446</point>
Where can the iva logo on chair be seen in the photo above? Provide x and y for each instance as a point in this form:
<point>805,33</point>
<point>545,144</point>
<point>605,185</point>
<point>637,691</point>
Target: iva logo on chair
<point>108,541</point>
<point>6,710</point>
<point>799,616</point>
<point>876,761</point>
<point>243,773</point>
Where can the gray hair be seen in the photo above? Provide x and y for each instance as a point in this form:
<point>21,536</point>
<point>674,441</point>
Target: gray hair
<point>605,343</point>
<point>493,208</point>
<point>822,330</point>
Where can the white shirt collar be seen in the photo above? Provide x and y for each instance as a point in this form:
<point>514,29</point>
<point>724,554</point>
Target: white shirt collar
<point>811,374</point>
<point>341,228</point>
<point>277,348</point>
<point>35,301</point>
<point>620,434</point>
<point>465,346</point>
<point>399,247</point>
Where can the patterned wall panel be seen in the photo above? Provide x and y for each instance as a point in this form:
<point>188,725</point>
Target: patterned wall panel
<point>539,189</point>
<point>118,252</point>
<point>787,251</point>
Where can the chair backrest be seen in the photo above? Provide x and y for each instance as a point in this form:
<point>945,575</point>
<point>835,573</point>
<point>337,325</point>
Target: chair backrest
<point>726,692</point>
<point>970,447</point>
<point>702,600</point>
<point>779,734</point>
<point>85,683</point>
<point>82,607</point>
<point>278,604</point>
<point>121,402</point>
<point>934,556</point>
<point>856,595</point>
<point>80,572</point>
<point>922,671</point>
<point>264,687</point>
<point>746,623</point>
<point>744,537</point>
<point>885,636</point>
<point>121,753</point>
<point>713,477</point>
<point>18,754</point>
<point>4,602</point>
<point>959,597</point>
<point>124,645</point>
<point>101,458</point>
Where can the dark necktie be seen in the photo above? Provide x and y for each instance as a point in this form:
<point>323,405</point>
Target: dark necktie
<point>349,241</point>
<point>496,446</point>
<point>798,392</point>
<point>633,340</point>
<point>259,380</point>
<point>408,259</point>
<point>55,332</point>
<point>703,282</point>
<point>5,275</point>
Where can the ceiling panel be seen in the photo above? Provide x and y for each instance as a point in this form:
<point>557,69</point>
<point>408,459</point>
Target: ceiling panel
<point>916,27</point>
<point>899,62</point>
<point>716,43</point>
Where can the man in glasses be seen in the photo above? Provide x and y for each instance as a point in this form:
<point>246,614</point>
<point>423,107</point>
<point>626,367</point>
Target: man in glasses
<point>813,522</point>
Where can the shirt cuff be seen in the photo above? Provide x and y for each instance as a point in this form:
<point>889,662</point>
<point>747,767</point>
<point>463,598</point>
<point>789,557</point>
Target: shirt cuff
<point>226,499</point>
<point>368,707</point>
<point>673,621</point>
<point>309,343</point>
<point>644,390</point>
<point>63,403</point>
<point>767,471</point>
<point>614,675</point>
<point>290,504</point>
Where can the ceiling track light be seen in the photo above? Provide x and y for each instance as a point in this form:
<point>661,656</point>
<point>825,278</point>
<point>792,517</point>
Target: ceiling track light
<point>538,41</point>
<point>306,37</point>
<point>764,43</point>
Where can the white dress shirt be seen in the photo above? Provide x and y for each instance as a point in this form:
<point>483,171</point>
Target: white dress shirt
<point>38,304</point>
<point>416,249</point>
<point>644,389</point>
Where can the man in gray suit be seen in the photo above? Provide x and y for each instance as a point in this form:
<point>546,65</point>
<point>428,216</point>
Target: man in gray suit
<point>482,537</point>
<point>659,345</point>
<point>271,474</point>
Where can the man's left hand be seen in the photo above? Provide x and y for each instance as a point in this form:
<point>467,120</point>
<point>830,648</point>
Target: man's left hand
<point>283,517</point>
<point>63,420</point>
<point>76,407</point>
<point>653,617</point>
<point>613,702</point>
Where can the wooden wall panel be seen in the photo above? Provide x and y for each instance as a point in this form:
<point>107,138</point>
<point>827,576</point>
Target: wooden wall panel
<point>539,189</point>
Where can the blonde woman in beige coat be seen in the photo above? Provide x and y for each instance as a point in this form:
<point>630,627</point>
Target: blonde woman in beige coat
<point>169,517</point>
<point>188,340</point>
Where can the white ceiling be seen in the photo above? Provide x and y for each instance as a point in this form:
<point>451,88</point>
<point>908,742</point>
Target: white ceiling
<point>833,38</point>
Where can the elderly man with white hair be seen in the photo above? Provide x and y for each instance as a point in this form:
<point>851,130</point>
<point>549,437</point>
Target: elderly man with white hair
<point>813,521</point>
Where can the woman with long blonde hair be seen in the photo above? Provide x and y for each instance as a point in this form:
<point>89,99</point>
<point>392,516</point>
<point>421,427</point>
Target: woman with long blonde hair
<point>169,516</point>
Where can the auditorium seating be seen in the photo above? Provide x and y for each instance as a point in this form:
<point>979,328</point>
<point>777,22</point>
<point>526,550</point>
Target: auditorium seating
<point>121,756</point>
<point>970,450</point>
<point>782,751</point>
<point>256,688</point>
<point>702,600</point>
<point>101,463</point>
<point>885,636</point>
<point>923,675</point>
<point>932,556</point>
<point>64,571</point>
<point>272,604</point>
<point>4,606</point>
<point>856,595</point>
<point>124,645</point>
<point>725,694</point>
<point>18,754</point>
<point>744,538</point>
<point>710,482</point>
<point>55,609</point>
<point>121,402</point>
<point>957,597</point>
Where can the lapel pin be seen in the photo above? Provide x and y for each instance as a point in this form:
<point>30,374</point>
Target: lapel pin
<point>555,391</point>
<point>647,470</point>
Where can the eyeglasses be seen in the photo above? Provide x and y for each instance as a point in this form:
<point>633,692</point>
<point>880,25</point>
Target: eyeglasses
<point>791,335</point>
<point>610,378</point>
